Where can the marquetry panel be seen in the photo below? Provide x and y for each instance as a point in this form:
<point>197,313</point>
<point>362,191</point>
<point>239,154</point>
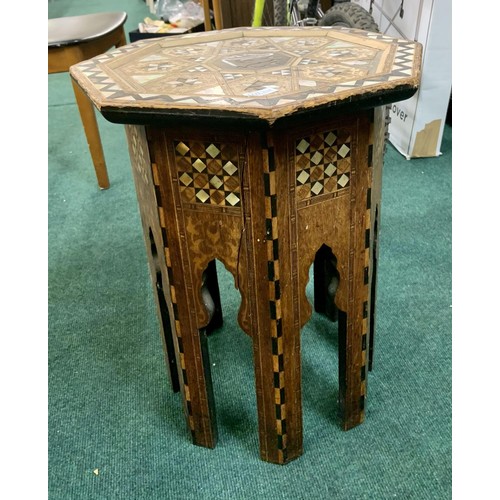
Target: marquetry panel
<point>267,72</point>
<point>322,163</point>
<point>208,173</point>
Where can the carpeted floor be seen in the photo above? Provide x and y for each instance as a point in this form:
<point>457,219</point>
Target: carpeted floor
<point>111,410</point>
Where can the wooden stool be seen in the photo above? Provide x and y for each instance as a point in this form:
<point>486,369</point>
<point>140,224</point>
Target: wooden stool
<point>75,39</point>
<point>262,148</point>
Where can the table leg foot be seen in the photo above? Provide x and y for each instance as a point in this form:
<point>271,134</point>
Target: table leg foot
<point>197,390</point>
<point>352,376</point>
<point>278,400</point>
<point>208,440</point>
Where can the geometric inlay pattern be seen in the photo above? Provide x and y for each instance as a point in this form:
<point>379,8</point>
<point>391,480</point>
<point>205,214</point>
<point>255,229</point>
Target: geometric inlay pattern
<point>275,305</point>
<point>208,173</point>
<point>141,158</point>
<point>369,246</point>
<point>322,163</point>
<point>265,72</point>
<point>183,378</point>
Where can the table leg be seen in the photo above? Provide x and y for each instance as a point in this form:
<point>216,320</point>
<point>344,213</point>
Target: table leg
<point>146,191</point>
<point>329,223</point>
<point>190,315</point>
<point>194,365</point>
<point>277,341</point>
<point>163,315</point>
<point>354,293</point>
<point>378,139</point>
<point>199,178</point>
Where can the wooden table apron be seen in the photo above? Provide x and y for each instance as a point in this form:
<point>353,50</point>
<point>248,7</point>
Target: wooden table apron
<point>267,235</point>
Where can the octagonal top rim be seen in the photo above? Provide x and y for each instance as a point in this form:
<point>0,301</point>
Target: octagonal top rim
<point>122,79</point>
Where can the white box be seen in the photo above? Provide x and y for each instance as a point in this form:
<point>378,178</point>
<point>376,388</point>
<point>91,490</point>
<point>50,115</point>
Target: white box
<point>417,125</point>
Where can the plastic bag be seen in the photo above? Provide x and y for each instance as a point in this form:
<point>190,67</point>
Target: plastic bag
<point>185,13</point>
<point>168,8</point>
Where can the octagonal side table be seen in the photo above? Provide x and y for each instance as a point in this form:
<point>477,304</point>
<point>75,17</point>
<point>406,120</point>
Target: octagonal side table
<point>262,148</point>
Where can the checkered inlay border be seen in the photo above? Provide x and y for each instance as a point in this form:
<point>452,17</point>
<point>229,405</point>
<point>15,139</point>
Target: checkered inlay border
<point>366,281</point>
<point>141,162</point>
<point>322,163</point>
<point>208,173</point>
<point>272,242</point>
<point>183,375</point>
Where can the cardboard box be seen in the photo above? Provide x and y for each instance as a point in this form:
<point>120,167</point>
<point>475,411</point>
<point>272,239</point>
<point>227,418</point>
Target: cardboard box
<point>417,124</point>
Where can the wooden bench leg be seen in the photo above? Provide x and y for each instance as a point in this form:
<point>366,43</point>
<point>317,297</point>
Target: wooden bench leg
<point>89,122</point>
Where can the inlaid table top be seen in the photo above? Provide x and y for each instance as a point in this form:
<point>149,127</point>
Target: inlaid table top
<point>263,73</point>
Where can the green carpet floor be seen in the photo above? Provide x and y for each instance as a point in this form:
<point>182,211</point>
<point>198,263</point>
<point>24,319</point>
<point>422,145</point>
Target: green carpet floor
<point>110,404</point>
